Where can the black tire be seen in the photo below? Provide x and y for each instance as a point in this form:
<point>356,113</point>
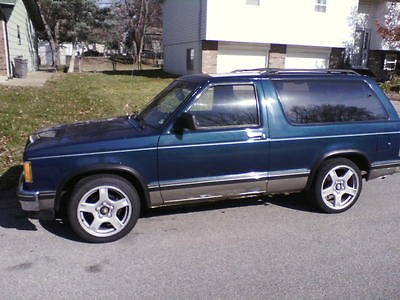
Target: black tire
<point>103,208</point>
<point>337,185</point>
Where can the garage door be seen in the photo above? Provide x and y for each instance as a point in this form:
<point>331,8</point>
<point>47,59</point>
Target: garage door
<point>307,58</point>
<point>239,56</point>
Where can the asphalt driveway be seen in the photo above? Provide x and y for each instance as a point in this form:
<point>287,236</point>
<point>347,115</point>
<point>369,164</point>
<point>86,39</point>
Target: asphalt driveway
<point>272,248</point>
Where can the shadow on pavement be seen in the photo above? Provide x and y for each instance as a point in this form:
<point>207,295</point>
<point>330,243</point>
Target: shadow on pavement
<point>11,215</point>
<point>296,202</point>
<point>61,229</point>
<point>198,207</point>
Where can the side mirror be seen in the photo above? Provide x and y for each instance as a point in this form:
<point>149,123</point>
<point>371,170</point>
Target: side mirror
<point>185,121</point>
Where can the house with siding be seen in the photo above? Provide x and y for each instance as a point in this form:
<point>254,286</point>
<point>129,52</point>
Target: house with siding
<point>212,36</point>
<point>19,21</point>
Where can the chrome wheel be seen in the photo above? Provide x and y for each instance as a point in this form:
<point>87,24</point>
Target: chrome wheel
<point>337,185</point>
<point>340,187</point>
<point>104,211</point>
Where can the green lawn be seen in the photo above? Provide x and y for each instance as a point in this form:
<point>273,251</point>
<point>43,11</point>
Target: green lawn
<point>69,98</point>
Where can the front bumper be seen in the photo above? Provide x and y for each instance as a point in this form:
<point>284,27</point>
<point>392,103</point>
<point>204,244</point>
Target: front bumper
<point>41,203</point>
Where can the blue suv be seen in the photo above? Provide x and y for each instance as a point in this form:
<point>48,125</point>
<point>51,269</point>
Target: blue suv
<point>211,137</point>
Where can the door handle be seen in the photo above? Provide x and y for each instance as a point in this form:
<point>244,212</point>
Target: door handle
<point>255,135</point>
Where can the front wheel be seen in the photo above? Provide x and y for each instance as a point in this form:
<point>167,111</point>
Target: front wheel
<point>337,186</point>
<point>103,208</point>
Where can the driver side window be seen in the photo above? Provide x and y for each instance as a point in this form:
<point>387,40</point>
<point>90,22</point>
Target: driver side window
<point>227,106</point>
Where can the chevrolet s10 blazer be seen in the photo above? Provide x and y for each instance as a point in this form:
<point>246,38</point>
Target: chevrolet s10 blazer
<point>210,137</point>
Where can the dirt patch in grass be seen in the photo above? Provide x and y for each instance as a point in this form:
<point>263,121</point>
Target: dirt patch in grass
<point>102,64</point>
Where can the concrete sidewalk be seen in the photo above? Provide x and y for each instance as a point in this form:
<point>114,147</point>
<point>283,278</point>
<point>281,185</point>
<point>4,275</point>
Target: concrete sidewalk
<point>34,79</point>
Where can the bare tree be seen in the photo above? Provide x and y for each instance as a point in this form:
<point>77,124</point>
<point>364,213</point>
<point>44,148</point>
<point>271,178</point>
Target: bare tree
<point>133,17</point>
<point>51,13</point>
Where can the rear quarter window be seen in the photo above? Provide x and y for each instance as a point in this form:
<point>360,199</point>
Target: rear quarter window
<point>328,101</point>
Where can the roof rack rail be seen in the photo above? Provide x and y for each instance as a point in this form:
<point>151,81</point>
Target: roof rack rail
<point>293,71</point>
<point>257,70</point>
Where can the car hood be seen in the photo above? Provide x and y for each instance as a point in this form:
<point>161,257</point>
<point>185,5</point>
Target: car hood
<point>99,133</point>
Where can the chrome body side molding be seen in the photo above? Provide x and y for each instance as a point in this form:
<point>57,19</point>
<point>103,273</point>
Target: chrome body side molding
<point>230,186</point>
<point>287,181</point>
<point>384,168</point>
<point>155,195</point>
<point>215,187</point>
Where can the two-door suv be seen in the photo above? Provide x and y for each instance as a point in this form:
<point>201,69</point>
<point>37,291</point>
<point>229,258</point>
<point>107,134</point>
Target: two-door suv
<point>211,137</point>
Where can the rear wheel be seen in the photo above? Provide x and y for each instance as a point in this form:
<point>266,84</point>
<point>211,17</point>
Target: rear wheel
<point>337,186</point>
<point>103,208</point>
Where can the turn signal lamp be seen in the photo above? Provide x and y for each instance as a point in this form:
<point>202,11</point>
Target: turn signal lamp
<point>28,172</point>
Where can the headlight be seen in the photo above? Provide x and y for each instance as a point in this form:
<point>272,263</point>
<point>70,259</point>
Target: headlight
<point>28,172</point>
<point>33,138</point>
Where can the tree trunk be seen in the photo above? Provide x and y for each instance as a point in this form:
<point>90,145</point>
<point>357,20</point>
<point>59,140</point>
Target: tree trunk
<point>53,44</point>
<point>141,30</point>
<point>139,55</point>
<point>57,41</point>
<point>133,64</point>
<point>71,68</point>
<point>54,52</point>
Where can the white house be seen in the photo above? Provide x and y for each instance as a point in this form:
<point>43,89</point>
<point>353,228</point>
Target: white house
<point>19,20</point>
<point>66,49</point>
<point>223,35</point>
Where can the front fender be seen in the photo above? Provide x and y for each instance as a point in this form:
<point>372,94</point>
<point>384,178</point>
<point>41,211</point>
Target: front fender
<point>124,171</point>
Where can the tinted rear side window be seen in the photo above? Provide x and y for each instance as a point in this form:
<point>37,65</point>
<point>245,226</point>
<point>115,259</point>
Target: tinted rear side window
<point>326,101</point>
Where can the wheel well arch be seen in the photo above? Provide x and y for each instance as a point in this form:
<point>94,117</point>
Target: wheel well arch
<point>65,189</point>
<point>359,158</point>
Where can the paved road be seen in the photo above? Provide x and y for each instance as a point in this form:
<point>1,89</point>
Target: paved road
<point>274,248</point>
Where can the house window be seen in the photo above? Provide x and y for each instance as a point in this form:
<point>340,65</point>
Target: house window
<point>390,62</point>
<point>190,59</point>
<point>19,35</point>
<point>320,6</point>
<point>253,2</point>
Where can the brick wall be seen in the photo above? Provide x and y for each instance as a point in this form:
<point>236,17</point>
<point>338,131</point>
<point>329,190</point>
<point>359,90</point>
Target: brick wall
<point>277,56</point>
<point>209,57</point>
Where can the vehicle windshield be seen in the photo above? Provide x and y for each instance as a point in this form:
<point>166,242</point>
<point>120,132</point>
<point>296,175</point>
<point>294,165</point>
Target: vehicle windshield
<point>165,103</point>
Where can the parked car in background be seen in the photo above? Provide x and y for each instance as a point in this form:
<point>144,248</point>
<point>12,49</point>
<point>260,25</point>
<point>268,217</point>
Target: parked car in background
<point>92,53</point>
<point>212,137</point>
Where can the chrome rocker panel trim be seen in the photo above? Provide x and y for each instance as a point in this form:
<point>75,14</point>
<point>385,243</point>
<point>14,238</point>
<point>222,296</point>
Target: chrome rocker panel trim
<point>287,181</point>
<point>384,168</point>
<point>227,187</point>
